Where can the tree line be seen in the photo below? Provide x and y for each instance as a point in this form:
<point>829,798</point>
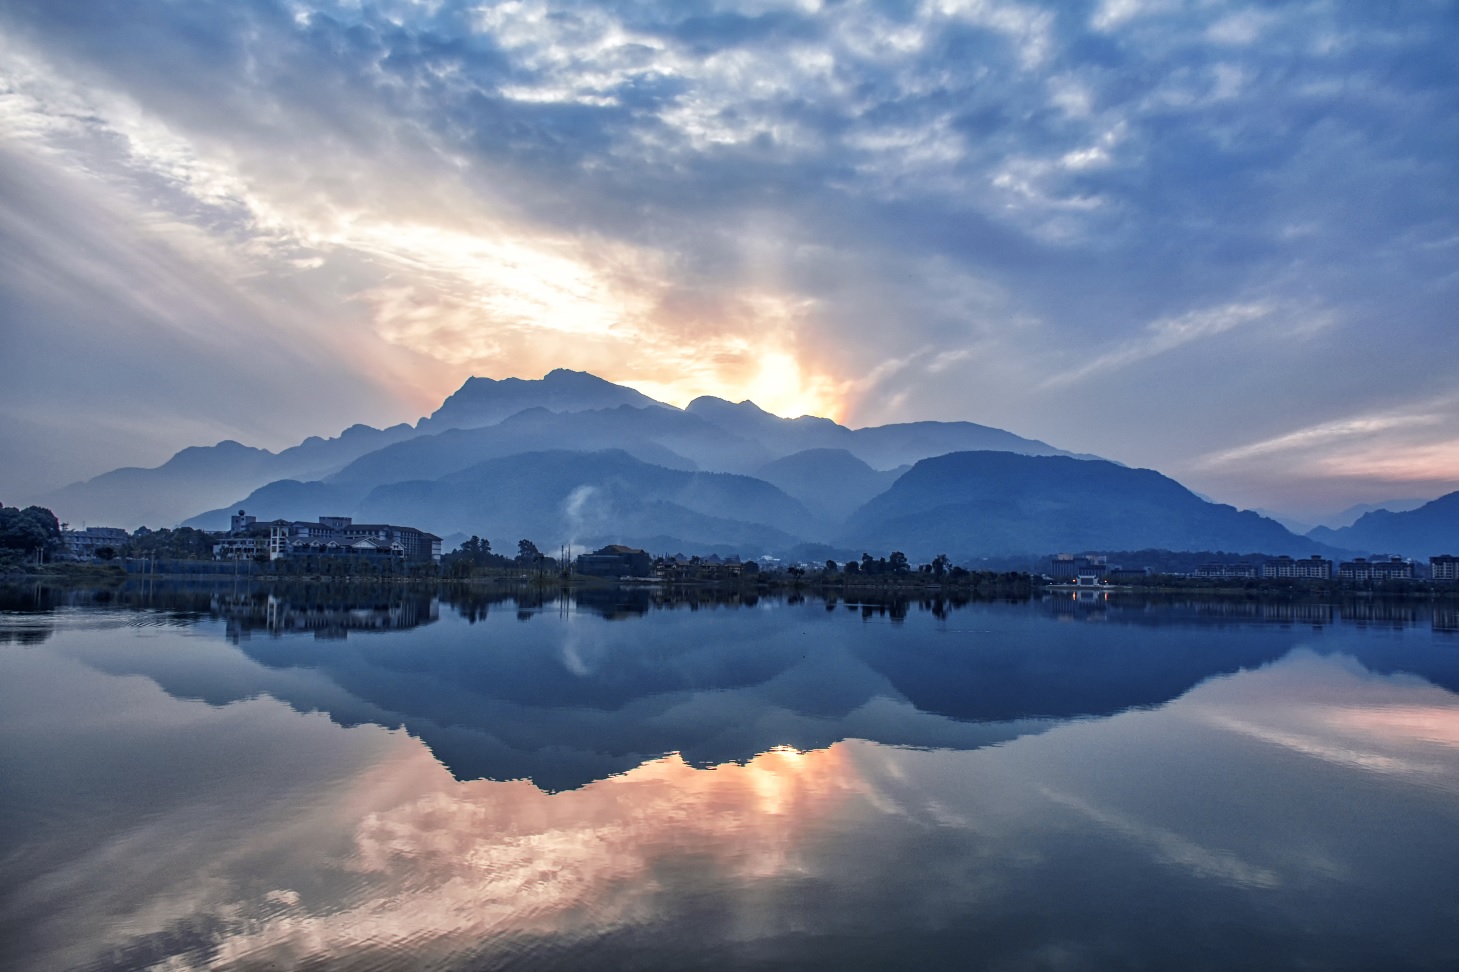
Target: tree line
<point>476,554</point>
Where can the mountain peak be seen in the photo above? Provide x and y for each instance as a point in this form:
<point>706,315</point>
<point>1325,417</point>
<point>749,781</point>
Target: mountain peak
<point>486,401</point>
<point>579,377</point>
<point>713,403</point>
<point>707,406</point>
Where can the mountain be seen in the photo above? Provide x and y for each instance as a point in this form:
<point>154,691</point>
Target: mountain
<point>487,401</point>
<point>662,436</point>
<point>130,497</point>
<point>557,497</point>
<point>287,499</point>
<point>830,482</point>
<point>968,504</point>
<point>486,419</point>
<point>1000,503</point>
<point>205,476</point>
<point>1349,516</point>
<point>1425,532</point>
<point>201,477</point>
<point>882,447</point>
<point>573,458</point>
<point>585,497</point>
<point>1296,526</point>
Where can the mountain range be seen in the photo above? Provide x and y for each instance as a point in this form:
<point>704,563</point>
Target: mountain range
<point>573,458</point>
<point>1432,528</point>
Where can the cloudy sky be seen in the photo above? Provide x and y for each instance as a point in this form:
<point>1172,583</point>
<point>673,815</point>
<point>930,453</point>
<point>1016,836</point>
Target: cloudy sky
<point>1219,239</point>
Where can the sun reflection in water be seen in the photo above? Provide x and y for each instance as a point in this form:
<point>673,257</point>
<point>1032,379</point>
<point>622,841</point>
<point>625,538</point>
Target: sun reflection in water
<point>500,860</point>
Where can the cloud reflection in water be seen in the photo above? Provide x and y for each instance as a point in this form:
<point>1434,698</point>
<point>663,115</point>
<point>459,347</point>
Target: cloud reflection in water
<point>1309,802</point>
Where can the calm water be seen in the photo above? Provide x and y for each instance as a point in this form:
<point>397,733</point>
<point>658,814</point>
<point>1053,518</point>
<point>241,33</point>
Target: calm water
<point>327,780</point>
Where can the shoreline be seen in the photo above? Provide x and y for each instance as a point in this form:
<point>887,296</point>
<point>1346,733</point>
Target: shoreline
<point>83,575</point>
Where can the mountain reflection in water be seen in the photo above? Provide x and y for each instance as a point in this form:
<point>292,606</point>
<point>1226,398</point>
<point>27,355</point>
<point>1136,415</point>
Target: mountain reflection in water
<point>197,778</point>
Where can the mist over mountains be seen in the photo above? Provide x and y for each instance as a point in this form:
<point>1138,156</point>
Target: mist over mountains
<point>573,458</point>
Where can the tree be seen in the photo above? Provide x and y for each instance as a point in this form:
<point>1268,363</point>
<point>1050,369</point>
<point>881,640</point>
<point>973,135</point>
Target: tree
<point>471,555</point>
<point>106,553</point>
<point>852,567</point>
<point>831,567</point>
<point>527,553</point>
<point>28,530</point>
<point>183,543</point>
<point>898,562</point>
<point>940,564</point>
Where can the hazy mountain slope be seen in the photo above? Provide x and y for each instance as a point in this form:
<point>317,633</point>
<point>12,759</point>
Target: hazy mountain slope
<point>286,499</point>
<point>882,447</point>
<point>200,477</point>
<point>888,446</point>
<point>831,482</point>
<point>486,401</point>
<point>664,437</point>
<point>204,477</point>
<point>999,503</point>
<point>158,497</point>
<point>557,497</point>
<point>1425,532</point>
<point>780,436</point>
<point>487,419</point>
<point>1349,516</point>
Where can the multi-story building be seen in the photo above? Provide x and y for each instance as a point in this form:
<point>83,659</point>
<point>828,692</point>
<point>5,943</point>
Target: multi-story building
<point>1312,568</point>
<point>340,535</point>
<point>85,543</point>
<point>1377,569</point>
<point>1068,568</point>
<point>1227,571</point>
<point>1089,570</point>
<point>1444,567</point>
<point>242,547</point>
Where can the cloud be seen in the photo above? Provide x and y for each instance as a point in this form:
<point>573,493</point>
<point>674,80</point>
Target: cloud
<point>1165,335</point>
<point>756,199</point>
<point>1368,454</point>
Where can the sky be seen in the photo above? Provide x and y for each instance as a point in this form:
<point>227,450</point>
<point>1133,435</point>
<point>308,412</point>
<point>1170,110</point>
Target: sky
<point>1216,239</point>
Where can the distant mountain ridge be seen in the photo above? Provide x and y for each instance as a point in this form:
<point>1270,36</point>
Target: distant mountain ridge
<point>706,436</point>
<point>881,447</point>
<point>487,401</point>
<point>559,497</point>
<point>1427,531</point>
<point>208,476</point>
<point>831,482</point>
<point>571,458</point>
<point>1001,503</point>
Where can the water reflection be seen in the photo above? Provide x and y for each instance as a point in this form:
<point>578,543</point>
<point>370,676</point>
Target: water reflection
<point>576,696</point>
<point>326,618</point>
<point>262,606</point>
<point>1300,813</point>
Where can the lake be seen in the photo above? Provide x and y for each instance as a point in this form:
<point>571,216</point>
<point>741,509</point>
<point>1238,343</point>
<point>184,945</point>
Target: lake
<point>329,778</point>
